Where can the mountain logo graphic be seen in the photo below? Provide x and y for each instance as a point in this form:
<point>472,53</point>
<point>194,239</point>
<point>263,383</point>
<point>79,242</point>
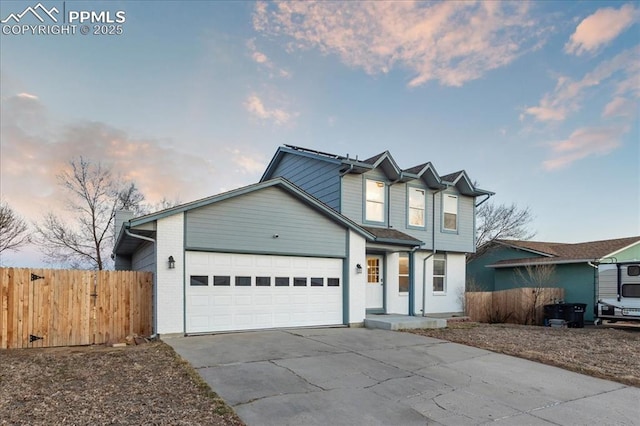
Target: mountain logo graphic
<point>38,11</point>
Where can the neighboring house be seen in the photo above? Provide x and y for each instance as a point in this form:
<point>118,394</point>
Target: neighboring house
<point>575,265</point>
<point>320,240</point>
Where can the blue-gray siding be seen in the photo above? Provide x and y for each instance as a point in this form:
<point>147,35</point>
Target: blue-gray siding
<point>144,258</point>
<point>318,178</point>
<point>248,223</point>
<point>462,241</point>
<point>122,263</point>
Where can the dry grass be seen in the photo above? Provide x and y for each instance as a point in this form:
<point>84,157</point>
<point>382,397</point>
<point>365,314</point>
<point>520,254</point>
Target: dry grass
<point>607,353</point>
<point>146,384</point>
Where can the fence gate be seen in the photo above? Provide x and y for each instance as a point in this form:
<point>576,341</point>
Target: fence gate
<point>51,307</point>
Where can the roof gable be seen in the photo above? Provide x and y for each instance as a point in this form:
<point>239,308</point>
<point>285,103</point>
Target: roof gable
<point>276,182</point>
<point>385,162</point>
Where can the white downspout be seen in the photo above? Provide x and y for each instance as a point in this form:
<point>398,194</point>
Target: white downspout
<point>433,249</point>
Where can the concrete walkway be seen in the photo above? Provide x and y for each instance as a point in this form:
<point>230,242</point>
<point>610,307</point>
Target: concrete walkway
<point>347,376</point>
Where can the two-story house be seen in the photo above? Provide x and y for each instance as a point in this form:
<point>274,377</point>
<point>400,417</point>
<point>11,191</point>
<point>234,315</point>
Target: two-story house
<point>322,239</point>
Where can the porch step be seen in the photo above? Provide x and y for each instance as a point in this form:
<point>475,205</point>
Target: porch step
<point>399,322</point>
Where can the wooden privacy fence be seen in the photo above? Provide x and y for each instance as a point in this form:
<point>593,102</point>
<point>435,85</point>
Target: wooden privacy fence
<point>518,306</point>
<point>50,307</point>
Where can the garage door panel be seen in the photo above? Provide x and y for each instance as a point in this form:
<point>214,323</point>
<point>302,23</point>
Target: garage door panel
<point>243,300</point>
<point>227,308</point>
<point>222,300</point>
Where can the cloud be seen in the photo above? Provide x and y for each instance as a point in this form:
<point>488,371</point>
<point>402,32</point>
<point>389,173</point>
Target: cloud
<point>247,162</point>
<point>34,152</point>
<point>27,96</point>
<point>449,42</point>
<point>568,94</point>
<point>601,28</point>
<point>583,143</point>
<point>620,107</point>
<point>262,59</point>
<point>254,105</point>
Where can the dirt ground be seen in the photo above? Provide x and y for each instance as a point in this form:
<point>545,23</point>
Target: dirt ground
<point>145,384</point>
<point>150,384</point>
<point>604,352</point>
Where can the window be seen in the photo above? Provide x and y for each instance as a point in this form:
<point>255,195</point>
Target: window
<point>221,280</point>
<point>299,282</point>
<point>374,208</point>
<point>633,270</point>
<point>630,290</point>
<point>450,212</point>
<point>282,281</point>
<point>439,273</point>
<point>317,282</point>
<point>373,270</point>
<point>403,273</point>
<point>199,280</point>
<point>243,281</point>
<point>264,281</point>
<point>333,282</point>
<point>416,207</point>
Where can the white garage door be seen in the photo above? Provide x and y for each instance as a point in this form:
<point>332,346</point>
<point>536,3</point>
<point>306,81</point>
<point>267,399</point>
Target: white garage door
<point>228,292</point>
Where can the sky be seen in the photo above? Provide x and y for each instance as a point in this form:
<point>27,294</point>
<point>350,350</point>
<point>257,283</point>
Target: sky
<point>538,102</point>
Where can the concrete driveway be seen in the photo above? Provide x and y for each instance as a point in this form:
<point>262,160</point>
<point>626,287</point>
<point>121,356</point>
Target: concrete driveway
<point>355,376</point>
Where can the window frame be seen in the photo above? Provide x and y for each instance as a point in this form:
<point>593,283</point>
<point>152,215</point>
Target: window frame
<point>440,257</point>
<point>240,281</point>
<point>195,281</point>
<point>626,288</point>
<point>444,212</point>
<point>411,188</point>
<point>222,280</point>
<point>279,282</point>
<point>260,281</point>
<point>366,201</point>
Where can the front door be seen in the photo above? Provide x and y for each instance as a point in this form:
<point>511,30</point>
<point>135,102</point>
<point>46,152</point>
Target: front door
<point>375,286</point>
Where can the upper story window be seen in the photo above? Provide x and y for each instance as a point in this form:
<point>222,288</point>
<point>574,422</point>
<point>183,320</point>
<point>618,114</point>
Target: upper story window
<point>450,212</point>
<point>416,207</point>
<point>439,273</point>
<point>375,198</point>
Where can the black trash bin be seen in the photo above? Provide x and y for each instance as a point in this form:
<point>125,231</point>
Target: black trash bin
<point>553,311</point>
<point>574,314</point>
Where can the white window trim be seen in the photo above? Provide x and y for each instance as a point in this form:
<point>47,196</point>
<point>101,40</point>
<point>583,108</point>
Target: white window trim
<point>439,256</point>
<point>424,207</point>
<point>457,212</point>
<point>384,201</point>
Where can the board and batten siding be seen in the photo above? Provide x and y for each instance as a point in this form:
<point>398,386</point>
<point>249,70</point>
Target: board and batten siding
<point>462,241</point>
<point>249,223</point>
<point>316,177</point>
<point>144,258</point>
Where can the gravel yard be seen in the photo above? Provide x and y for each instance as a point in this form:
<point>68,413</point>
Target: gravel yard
<point>145,384</point>
<point>608,353</point>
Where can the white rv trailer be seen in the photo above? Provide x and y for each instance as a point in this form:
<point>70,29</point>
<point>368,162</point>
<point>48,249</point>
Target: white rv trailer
<point>618,292</point>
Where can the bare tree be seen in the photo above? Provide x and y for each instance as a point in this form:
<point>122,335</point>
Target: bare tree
<point>13,229</point>
<point>537,277</point>
<point>86,239</point>
<point>163,204</point>
<point>501,222</point>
